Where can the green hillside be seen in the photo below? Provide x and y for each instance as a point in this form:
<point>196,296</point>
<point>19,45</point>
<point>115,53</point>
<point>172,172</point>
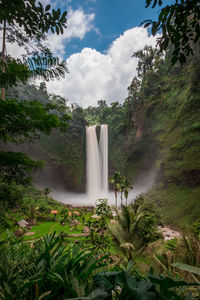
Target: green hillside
<point>169,109</point>
<point>156,128</point>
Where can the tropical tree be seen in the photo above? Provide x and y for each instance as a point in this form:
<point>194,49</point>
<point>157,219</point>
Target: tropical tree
<point>115,180</point>
<point>47,191</point>
<point>21,121</point>
<point>146,60</point>
<point>127,188</point>
<point>50,268</point>
<point>179,23</point>
<point>24,22</point>
<point>121,188</point>
<point>136,227</point>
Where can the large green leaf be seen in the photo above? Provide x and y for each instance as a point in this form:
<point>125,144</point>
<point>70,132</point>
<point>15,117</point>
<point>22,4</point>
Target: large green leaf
<point>186,267</point>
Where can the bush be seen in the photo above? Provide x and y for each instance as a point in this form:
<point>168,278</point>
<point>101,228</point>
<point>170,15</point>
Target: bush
<point>99,237</point>
<point>10,193</point>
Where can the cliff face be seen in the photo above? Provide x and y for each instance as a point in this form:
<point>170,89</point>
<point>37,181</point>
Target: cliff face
<point>170,121</point>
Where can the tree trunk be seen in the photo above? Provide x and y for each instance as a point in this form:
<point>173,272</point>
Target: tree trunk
<point>3,57</point>
<point>115,198</point>
<point>121,198</point>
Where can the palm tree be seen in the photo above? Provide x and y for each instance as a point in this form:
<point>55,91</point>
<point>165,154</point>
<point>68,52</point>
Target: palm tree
<point>122,187</point>
<point>127,188</point>
<point>137,226</point>
<point>115,181</point>
<point>47,191</point>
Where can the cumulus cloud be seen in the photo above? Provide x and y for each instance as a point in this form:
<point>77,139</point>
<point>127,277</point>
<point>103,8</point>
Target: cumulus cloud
<point>78,25</point>
<point>94,76</point>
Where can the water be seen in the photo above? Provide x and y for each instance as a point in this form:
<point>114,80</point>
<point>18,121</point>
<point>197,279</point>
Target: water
<point>83,199</point>
<point>103,148</point>
<point>97,163</point>
<point>93,164</point>
<point>97,174</point>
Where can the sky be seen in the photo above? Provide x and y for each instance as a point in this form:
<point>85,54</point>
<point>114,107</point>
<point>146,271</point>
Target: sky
<point>98,45</point>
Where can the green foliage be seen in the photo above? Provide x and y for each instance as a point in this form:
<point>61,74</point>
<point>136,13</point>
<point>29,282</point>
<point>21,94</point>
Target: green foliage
<point>103,209</point>
<point>56,270</point>
<point>32,16</point>
<point>196,228</point>
<point>23,119</point>
<point>65,151</point>
<point>187,268</point>
<point>10,194</point>
<point>99,228</point>
<point>122,285</point>
<point>171,244</point>
<point>14,71</point>
<point>17,167</point>
<point>47,268</point>
<point>47,191</point>
<point>179,23</point>
<point>116,179</point>
<point>25,22</point>
<point>136,227</point>
<point>146,60</point>
<point>46,66</point>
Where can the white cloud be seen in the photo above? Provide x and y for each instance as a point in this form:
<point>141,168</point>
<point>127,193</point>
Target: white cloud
<point>94,76</point>
<point>78,25</point>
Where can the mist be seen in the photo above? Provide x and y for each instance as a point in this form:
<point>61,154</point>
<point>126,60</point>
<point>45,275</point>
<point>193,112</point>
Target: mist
<point>142,185</point>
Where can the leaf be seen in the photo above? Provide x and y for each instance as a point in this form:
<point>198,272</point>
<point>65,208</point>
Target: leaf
<point>186,267</point>
<point>47,8</point>
<point>98,294</point>
<point>57,30</point>
<point>155,2</point>
<point>148,2</point>
<point>168,283</point>
<point>44,295</point>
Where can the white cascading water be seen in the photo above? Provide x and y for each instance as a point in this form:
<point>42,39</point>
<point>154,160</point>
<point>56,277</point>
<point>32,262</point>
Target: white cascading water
<point>93,164</point>
<point>97,162</point>
<point>97,174</point>
<point>103,147</point>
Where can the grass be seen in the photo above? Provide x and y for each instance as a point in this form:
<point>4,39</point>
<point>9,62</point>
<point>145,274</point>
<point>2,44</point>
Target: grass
<point>49,227</point>
<point>179,204</point>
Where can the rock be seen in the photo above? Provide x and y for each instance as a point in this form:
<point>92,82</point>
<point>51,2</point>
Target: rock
<point>168,233</point>
<point>114,214</point>
<point>86,229</point>
<point>19,232</point>
<point>74,222</point>
<point>95,216</point>
<point>32,222</point>
<point>113,221</point>
<point>29,233</point>
<point>76,213</point>
<point>22,223</point>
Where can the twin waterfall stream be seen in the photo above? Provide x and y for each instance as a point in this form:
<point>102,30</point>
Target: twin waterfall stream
<point>97,173</point>
<point>97,162</point>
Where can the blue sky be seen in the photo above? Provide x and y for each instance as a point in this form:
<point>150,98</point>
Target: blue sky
<point>98,45</point>
<point>112,18</point>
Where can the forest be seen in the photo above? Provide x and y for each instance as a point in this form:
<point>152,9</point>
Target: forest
<point>143,247</point>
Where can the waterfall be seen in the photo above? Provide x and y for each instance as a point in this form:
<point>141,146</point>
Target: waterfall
<point>93,163</point>
<point>97,162</point>
<point>103,147</point>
